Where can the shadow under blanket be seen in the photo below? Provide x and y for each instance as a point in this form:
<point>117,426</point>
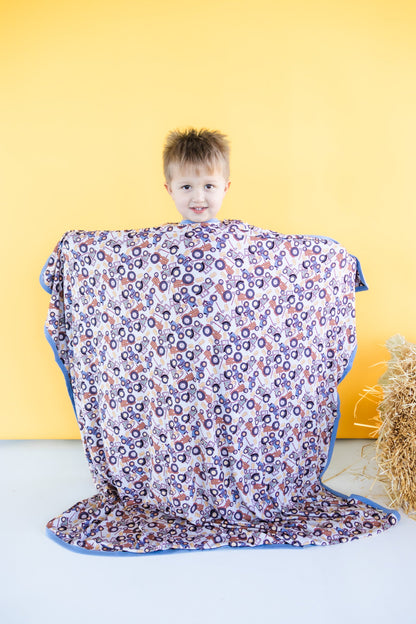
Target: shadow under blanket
<point>203,362</point>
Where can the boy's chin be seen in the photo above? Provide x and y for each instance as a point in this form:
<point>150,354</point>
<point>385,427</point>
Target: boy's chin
<point>200,217</point>
<point>197,217</point>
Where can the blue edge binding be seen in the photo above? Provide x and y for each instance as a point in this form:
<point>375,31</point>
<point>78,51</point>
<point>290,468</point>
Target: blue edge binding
<point>170,551</point>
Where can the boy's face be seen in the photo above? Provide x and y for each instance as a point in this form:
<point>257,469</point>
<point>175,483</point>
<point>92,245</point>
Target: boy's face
<point>198,194</point>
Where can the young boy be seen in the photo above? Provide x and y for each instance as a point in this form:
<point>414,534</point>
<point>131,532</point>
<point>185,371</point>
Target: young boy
<point>197,170</point>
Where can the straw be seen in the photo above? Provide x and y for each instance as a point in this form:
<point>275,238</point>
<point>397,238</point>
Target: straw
<point>396,443</point>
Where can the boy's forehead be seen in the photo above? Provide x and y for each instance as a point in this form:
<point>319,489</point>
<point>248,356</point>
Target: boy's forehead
<point>185,171</point>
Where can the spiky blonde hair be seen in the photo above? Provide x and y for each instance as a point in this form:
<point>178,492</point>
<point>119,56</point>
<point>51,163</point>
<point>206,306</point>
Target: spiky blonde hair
<point>209,148</point>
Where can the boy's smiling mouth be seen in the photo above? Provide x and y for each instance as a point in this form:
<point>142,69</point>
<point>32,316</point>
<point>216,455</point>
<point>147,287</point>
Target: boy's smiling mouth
<point>198,208</point>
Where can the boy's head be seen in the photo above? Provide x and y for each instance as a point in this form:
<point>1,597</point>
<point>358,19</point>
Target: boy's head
<point>197,170</point>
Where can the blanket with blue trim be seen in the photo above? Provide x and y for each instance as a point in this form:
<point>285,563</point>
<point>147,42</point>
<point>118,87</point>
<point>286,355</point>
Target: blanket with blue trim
<point>203,362</point>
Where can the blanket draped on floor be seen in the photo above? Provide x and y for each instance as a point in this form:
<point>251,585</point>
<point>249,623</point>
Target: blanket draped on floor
<point>203,362</point>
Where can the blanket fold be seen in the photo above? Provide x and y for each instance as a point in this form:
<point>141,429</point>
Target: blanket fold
<point>203,362</point>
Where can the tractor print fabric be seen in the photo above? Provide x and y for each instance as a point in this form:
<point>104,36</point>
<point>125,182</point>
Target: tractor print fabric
<point>203,362</point>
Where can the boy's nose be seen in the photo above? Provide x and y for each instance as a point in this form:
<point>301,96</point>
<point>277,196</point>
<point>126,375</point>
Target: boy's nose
<point>199,193</point>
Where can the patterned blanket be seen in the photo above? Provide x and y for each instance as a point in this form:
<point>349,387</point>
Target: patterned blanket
<point>203,362</point>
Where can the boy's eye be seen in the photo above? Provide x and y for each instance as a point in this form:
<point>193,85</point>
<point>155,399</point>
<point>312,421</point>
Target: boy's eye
<point>211,185</point>
<point>186,186</point>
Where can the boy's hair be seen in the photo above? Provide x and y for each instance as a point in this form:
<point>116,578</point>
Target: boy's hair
<point>209,148</point>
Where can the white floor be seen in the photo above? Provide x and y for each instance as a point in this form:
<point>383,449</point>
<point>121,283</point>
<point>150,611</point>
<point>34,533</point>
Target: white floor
<point>369,580</point>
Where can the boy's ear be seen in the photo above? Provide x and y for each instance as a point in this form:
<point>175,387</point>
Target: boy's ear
<point>169,190</point>
<point>227,186</point>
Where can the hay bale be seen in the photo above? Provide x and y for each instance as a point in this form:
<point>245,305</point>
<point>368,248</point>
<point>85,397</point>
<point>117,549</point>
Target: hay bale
<point>396,443</point>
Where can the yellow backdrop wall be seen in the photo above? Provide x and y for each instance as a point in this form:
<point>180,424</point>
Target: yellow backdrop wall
<point>317,97</point>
